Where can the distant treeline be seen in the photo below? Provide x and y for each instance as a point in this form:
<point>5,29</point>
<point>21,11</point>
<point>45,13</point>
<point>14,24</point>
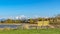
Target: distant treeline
<point>53,20</point>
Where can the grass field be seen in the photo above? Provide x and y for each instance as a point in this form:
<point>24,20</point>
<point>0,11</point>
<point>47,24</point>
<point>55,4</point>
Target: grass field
<point>40,31</point>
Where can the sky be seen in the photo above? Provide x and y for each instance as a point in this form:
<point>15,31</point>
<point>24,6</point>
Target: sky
<point>29,8</point>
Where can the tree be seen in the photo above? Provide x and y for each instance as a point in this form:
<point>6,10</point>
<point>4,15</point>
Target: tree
<point>31,21</point>
<point>39,19</point>
<point>17,21</point>
<point>9,21</point>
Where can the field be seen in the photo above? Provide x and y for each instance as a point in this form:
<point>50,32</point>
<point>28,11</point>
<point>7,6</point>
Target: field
<point>33,31</point>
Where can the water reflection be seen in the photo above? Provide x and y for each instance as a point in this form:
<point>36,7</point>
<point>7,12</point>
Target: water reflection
<point>8,26</point>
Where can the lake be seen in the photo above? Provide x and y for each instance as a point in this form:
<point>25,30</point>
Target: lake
<point>9,25</point>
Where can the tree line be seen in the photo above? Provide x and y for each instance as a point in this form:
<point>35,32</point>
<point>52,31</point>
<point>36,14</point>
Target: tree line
<point>52,20</point>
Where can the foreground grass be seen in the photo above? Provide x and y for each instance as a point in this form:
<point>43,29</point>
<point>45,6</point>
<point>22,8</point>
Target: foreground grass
<point>40,31</point>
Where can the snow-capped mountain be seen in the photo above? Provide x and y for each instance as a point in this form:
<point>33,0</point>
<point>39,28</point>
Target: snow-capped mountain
<point>21,17</point>
<point>2,19</point>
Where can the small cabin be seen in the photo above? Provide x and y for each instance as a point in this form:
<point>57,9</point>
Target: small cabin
<point>43,23</point>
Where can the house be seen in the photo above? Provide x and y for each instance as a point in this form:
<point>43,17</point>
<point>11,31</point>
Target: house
<point>43,23</point>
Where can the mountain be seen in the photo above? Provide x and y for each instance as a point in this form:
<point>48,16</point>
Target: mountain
<point>2,19</point>
<point>22,17</point>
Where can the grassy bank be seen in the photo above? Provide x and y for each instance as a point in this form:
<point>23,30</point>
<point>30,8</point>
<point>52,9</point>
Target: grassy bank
<point>40,31</point>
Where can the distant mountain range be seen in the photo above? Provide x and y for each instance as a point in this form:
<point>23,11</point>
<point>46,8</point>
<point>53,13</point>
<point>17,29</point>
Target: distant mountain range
<point>2,19</point>
<point>22,17</point>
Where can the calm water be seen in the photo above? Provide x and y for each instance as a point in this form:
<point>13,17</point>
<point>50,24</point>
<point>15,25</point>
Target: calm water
<point>8,26</point>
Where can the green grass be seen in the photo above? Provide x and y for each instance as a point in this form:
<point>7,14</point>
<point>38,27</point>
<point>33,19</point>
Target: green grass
<point>40,31</point>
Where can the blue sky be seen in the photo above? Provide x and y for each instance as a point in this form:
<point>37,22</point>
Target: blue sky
<point>29,7</point>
